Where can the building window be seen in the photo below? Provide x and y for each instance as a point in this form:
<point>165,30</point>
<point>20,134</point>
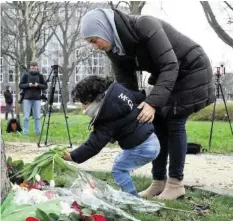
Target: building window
<point>44,71</point>
<point>57,97</point>
<point>11,76</point>
<point>80,73</point>
<point>45,61</point>
<point>1,70</point>
<point>92,65</point>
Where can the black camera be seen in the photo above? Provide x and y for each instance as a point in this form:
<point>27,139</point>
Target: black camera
<point>55,68</point>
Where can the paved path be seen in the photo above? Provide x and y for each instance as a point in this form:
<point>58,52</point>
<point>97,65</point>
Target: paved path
<point>213,172</point>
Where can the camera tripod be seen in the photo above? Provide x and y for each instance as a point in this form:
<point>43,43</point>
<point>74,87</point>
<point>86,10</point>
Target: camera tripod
<point>48,111</point>
<point>219,90</point>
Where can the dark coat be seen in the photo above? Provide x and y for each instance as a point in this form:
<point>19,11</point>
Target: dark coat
<point>8,97</point>
<point>180,70</point>
<point>116,119</point>
<point>32,93</point>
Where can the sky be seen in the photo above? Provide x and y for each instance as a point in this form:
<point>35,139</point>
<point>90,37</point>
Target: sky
<point>188,17</point>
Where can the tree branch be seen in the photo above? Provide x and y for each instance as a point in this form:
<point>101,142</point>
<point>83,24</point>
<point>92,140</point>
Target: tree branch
<point>215,25</point>
<point>229,6</point>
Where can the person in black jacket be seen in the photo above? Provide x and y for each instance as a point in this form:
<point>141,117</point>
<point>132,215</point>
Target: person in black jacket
<point>32,84</point>
<point>9,102</point>
<point>113,110</point>
<point>180,73</point>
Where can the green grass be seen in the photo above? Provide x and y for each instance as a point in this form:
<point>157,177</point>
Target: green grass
<point>220,207</point>
<point>57,129</point>
<point>222,139</point>
<point>198,131</point>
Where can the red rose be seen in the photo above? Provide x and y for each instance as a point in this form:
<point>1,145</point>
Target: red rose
<point>32,219</point>
<point>97,217</point>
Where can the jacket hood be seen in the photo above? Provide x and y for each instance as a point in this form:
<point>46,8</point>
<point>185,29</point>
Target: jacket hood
<point>125,31</point>
<point>124,102</point>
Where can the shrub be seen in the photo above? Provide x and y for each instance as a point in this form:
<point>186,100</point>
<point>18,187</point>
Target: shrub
<point>220,113</point>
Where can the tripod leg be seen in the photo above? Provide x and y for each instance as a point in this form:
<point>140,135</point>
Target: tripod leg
<point>64,111</point>
<point>212,124</point>
<point>48,123</point>
<point>38,144</point>
<point>225,104</point>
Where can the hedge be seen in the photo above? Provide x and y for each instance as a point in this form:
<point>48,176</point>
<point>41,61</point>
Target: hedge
<point>207,113</point>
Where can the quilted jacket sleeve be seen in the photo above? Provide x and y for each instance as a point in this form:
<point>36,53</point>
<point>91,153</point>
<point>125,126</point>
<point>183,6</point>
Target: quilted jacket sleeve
<point>162,54</point>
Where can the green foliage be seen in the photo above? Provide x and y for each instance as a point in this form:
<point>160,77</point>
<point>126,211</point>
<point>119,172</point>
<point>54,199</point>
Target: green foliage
<point>220,115</point>
<point>47,165</point>
<point>14,167</point>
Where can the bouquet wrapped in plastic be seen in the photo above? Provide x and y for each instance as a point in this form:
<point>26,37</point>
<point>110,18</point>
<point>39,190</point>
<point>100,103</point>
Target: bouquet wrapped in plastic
<point>82,195</point>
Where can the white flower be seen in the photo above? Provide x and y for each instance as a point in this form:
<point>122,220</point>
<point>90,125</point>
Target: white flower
<point>65,208</point>
<point>52,183</point>
<point>37,177</point>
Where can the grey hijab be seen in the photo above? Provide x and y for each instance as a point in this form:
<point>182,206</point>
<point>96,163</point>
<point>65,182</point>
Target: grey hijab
<point>100,23</point>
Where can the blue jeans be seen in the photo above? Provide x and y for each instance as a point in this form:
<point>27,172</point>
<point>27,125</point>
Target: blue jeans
<point>27,106</point>
<point>173,140</point>
<point>132,159</point>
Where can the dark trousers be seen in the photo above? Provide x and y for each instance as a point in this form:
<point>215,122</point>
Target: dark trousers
<point>173,141</point>
<point>9,109</point>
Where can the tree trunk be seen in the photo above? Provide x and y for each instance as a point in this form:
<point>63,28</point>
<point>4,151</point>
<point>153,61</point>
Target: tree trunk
<point>64,89</point>
<point>136,7</point>
<point>5,182</point>
<point>17,106</point>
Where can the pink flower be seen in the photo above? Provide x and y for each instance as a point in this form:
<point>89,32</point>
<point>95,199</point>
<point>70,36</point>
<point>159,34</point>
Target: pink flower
<point>77,208</point>
<point>92,184</point>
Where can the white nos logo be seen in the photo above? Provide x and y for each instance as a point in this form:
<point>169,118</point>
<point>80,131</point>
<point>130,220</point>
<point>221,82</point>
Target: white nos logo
<point>125,98</point>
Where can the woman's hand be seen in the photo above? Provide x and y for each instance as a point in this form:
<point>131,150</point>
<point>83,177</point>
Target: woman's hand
<point>67,156</point>
<point>147,114</point>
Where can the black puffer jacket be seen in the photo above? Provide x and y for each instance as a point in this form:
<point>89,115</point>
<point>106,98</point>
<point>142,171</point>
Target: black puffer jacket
<point>117,119</point>
<point>180,70</point>
<point>32,93</point>
<point>8,97</point>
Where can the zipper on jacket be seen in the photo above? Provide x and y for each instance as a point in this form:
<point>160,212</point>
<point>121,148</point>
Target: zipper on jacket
<point>175,109</point>
<point>136,61</point>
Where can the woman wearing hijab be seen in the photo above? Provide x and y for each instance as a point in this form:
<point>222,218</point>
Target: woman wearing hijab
<point>180,73</point>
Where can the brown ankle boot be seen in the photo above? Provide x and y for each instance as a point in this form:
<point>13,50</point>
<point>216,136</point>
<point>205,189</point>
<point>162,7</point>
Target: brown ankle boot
<point>174,189</point>
<point>154,189</point>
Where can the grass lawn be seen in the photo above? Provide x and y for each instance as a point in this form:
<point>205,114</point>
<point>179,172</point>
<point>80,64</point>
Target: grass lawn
<point>198,131</point>
<point>214,207</point>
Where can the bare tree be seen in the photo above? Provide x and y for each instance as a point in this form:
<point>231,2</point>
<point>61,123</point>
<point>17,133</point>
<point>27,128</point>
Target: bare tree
<point>22,26</point>
<point>69,39</point>
<point>135,7</point>
<point>5,182</point>
<point>214,23</point>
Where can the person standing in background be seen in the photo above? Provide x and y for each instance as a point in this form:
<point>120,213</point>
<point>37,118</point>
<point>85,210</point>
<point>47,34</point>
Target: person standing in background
<point>9,102</point>
<point>32,84</point>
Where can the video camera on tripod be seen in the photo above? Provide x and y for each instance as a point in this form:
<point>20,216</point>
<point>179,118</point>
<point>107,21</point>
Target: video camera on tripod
<point>55,80</point>
<point>221,70</point>
<point>219,73</point>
